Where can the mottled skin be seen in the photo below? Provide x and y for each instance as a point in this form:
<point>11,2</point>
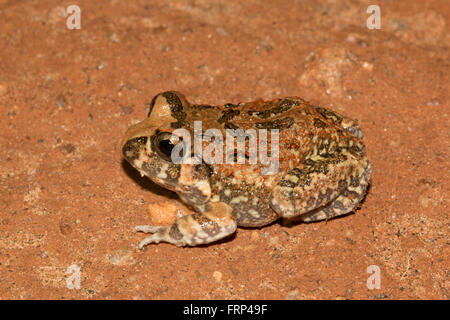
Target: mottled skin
<point>323,170</point>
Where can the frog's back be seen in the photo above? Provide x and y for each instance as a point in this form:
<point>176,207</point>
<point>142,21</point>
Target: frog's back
<point>300,127</point>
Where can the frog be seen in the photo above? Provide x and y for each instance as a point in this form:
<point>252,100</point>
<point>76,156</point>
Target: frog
<point>323,171</point>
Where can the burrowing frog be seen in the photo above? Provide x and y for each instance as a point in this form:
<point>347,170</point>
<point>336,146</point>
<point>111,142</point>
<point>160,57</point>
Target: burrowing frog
<point>322,169</point>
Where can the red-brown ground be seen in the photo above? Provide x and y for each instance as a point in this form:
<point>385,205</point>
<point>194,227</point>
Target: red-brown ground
<point>67,97</point>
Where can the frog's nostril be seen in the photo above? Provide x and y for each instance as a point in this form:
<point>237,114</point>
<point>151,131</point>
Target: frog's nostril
<point>132,147</point>
<point>140,140</point>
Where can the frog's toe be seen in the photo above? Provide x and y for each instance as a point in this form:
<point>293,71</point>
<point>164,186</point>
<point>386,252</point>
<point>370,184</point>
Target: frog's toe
<point>160,234</point>
<point>157,238</point>
<point>148,229</point>
<point>146,241</point>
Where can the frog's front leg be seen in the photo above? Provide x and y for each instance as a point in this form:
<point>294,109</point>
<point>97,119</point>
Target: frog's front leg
<point>211,225</point>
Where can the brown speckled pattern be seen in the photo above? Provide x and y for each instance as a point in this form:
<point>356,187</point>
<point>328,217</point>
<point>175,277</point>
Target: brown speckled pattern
<point>323,170</point>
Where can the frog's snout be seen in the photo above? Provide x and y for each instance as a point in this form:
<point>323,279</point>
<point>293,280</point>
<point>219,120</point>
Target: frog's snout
<point>133,147</point>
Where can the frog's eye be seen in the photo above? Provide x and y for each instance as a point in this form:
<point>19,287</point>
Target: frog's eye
<point>163,144</point>
<point>165,147</point>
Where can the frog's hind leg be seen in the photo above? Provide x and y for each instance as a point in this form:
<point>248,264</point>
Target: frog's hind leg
<point>191,230</point>
<point>322,181</point>
<point>346,202</point>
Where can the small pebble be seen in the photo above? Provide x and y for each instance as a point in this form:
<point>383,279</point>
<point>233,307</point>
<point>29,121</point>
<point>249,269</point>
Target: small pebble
<point>65,228</point>
<point>101,65</point>
<point>293,295</point>
<point>368,66</point>
<point>217,275</point>
<point>431,103</point>
<point>254,236</point>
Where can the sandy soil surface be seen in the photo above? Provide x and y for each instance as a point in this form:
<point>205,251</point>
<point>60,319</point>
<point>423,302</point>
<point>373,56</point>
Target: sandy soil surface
<point>68,202</point>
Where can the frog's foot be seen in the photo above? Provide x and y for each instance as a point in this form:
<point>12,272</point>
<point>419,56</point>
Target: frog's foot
<point>346,202</point>
<point>159,234</point>
<point>194,229</point>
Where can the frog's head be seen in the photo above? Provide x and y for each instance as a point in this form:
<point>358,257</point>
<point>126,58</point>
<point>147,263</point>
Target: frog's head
<point>148,146</point>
